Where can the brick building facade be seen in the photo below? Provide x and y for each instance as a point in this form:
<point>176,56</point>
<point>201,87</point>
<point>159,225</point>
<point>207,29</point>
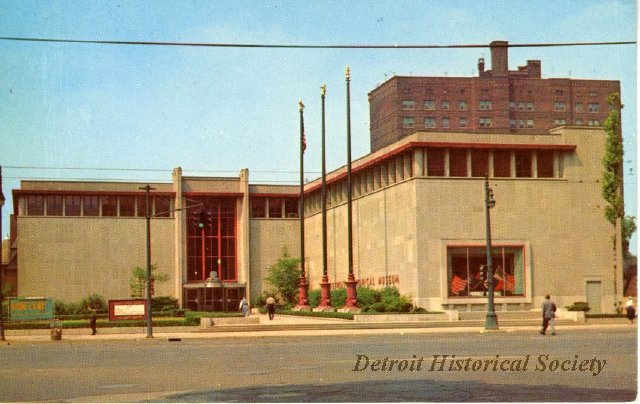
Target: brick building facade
<point>497,101</point>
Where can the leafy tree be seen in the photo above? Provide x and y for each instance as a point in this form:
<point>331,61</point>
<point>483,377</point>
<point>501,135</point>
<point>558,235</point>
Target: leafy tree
<point>138,280</point>
<point>284,276</point>
<point>612,177</point>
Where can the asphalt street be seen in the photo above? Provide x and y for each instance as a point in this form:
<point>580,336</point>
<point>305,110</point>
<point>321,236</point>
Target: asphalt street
<point>519,365</point>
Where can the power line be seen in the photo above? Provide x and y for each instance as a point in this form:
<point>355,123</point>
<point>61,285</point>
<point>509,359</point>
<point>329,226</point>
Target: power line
<point>308,46</point>
<point>146,169</point>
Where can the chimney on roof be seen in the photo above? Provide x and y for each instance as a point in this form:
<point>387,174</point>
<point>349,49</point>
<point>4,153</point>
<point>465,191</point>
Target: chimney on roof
<point>499,58</point>
<point>480,66</point>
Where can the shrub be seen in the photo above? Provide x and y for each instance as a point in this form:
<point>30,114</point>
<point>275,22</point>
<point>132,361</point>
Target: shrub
<point>338,297</point>
<point>163,303</point>
<point>314,297</point>
<point>366,296</point>
<point>93,302</point>
<point>579,306</point>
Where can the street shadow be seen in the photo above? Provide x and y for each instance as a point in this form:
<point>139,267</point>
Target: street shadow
<point>424,390</point>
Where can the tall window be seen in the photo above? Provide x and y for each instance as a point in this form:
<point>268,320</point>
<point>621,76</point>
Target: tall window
<point>109,206</point>
<point>54,205</point>
<point>502,163</point>
<point>466,268</point>
<point>435,162</point>
<point>35,205</point>
<point>127,205</point>
<point>218,239</point>
<point>479,163</point>
<point>523,164</point>
<point>458,162</point>
<point>91,205</point>
<point>275,207</point>
<point>72,204</point>
<point>258,207</point>
<point>291,207</point>
<point>545,163</point>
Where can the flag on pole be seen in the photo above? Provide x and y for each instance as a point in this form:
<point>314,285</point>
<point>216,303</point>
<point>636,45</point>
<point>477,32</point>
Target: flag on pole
<point>303,137</point>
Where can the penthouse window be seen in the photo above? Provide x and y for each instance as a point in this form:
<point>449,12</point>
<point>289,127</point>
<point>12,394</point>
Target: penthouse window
<point>558,106</point>
<point>484,105</point>
<point>274,207</point>
<point>465,268</point>
<point>430,104</point>
<point>594,107</point>
<point>408,122</point>
<point>430,122</point>
<point>485,122</point>
<point>408,104</point>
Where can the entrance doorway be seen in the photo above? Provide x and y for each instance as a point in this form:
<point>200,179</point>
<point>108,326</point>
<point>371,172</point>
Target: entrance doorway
<point>594,296</point>
<point>217,298</point>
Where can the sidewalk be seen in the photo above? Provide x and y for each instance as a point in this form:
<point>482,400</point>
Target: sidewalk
<point>283,325</point>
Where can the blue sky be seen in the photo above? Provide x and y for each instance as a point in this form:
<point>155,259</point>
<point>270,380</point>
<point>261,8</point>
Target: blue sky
<point>214,111</point>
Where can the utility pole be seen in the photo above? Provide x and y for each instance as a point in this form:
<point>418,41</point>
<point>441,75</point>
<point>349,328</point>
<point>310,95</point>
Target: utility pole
<point>352,294</point>
<point>491,321</point>
<point>148,188</point>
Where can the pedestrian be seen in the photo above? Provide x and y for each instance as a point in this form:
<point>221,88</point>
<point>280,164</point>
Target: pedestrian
<point>552,320</point>
<point>244,307</point>
<point>92,322</point>
<point>631,310</point>
<point>547,313</point>
<point>271,307</point>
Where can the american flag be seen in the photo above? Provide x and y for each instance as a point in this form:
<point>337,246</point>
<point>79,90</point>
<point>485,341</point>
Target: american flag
<point>458,284</point>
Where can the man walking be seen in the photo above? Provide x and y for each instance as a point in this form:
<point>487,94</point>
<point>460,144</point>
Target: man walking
<point>548,313</point>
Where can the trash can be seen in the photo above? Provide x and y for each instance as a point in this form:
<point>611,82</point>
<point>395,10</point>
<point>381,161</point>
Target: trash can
<point>56,330</point>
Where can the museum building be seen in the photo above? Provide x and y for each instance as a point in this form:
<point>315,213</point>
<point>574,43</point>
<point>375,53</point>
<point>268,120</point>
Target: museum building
<point>418,209</point>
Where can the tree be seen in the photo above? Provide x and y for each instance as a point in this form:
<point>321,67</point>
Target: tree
<point>613,179</point>
<point>138,280</point>
<point>284,276</point>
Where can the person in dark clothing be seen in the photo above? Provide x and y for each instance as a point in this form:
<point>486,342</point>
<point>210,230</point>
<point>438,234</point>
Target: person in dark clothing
<point>548,312</point>
<point>271,307</point>
<point>92,322</point>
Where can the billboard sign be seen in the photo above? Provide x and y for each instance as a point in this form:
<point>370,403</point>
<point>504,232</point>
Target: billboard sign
<point>31,308</point>
<point>129,309</point>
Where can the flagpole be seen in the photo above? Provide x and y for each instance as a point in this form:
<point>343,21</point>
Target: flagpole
<point>303,287</point>
<point>352,295</point>
<point>325,286</point>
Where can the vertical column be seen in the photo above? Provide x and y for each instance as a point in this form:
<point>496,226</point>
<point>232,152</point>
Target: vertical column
<point>180,240</point>
<point>244,236</point>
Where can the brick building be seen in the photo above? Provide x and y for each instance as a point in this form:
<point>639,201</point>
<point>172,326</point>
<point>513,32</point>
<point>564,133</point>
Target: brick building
<point>497,101</point>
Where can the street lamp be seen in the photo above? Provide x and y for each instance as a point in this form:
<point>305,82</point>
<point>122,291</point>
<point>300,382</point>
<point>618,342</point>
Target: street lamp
<point>2,338</point>
<point>491,321</point>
